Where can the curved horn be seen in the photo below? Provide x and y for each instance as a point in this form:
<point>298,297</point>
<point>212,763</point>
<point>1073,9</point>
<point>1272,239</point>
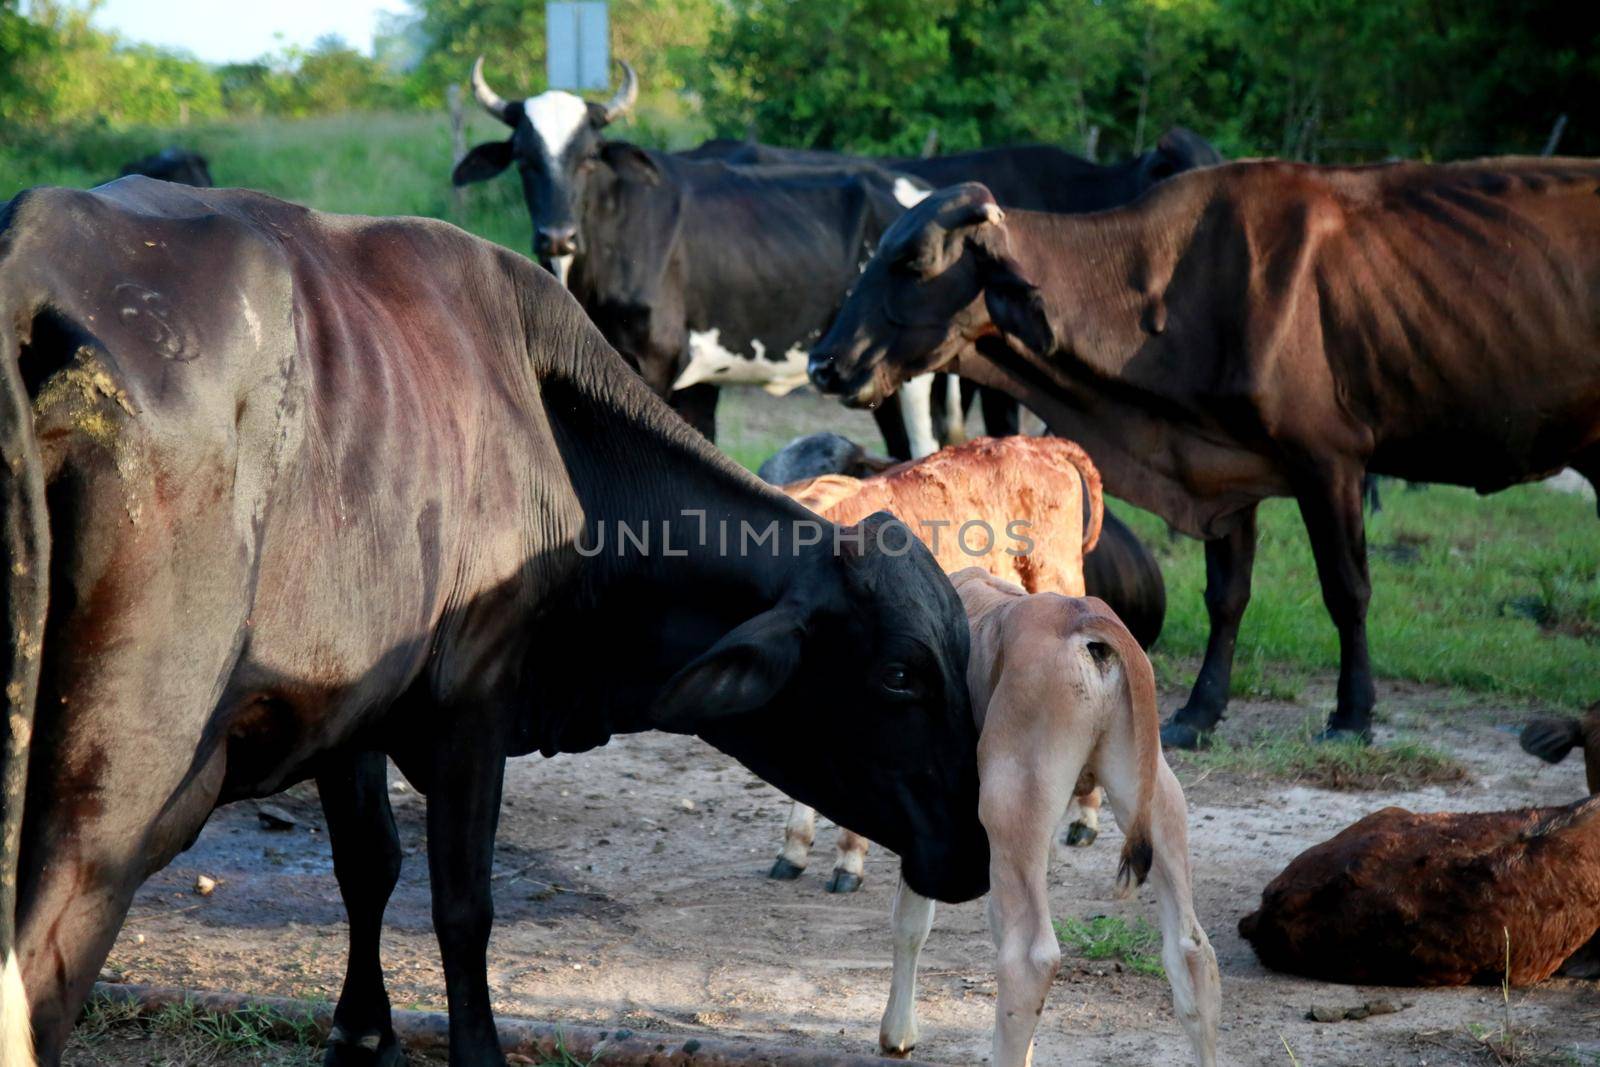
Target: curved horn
<point>491,100</point>
<point>619,105</point>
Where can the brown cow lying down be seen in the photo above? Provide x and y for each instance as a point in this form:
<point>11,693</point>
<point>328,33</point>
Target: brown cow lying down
<point>1427,900</point>
<point>1063,695</point>
<point>996,482</point>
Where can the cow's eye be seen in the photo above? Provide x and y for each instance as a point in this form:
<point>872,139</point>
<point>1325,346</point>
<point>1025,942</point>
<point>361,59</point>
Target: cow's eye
<point>897,681</point>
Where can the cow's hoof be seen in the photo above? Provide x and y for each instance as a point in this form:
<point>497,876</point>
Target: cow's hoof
<point>844,882</point>
<point>1175,734</point>
<point>373,1049</point>
<point>784,870</point>
<point>1081,835</point>
<point>1345,735</point>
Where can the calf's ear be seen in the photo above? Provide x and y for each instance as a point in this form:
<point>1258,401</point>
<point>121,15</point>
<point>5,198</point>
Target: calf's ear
<point>1017,308</point>
<point>482,163</point>
<point>744,671</point>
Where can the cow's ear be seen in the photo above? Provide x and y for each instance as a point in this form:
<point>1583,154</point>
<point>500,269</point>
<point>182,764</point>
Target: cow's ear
<point>630,161</point>
<point>744,671</point>
<point>1017,307</point>
<point>482,163</point>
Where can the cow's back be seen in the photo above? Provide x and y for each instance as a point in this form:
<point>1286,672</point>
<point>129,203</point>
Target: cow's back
<point>1010,505</point>
<point>1456,307</point>
<point>365,390</point>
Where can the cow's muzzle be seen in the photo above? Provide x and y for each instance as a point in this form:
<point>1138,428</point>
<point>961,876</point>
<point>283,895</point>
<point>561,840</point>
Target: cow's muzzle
<point>556,241</point>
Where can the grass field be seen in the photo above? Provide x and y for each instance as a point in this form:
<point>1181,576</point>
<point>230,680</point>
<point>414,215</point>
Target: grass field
<point>1497,595</point>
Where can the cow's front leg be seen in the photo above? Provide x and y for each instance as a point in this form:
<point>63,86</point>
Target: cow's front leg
<point>849,862</point>
<point>1330,505</point>
<point>366,860</point>
<point>911,920</point>
<point>798,833</point>
<point>1083,813</point>
<point>1229,562</point>
<point>468,768</point>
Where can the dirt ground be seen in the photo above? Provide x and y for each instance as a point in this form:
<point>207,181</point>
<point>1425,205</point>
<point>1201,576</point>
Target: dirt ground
<point>631,891</point>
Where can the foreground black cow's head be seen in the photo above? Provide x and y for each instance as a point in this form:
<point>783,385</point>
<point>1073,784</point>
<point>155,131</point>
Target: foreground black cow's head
<point>555,143</point>
<point>850,694</point>
<point>940,280</point>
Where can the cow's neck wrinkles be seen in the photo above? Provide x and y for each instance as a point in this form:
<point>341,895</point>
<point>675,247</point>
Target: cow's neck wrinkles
<point>1103,276</point>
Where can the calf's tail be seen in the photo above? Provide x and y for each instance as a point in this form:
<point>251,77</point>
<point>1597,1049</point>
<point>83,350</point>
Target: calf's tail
<point>25,561</point>
<point>1139,732</point>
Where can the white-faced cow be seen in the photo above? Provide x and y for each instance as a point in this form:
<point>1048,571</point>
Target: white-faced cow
<point>1265,329</point>
<point>283,492</point>
<point>700,273</point>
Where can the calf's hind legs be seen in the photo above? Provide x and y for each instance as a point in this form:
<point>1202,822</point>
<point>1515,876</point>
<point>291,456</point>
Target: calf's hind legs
<point>366,861</point>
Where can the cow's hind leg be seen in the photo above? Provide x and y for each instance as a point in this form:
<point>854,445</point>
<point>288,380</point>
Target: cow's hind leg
<point>798,833</point>
<point>849,863</point>
<point>1186,952</point>
<point>1330,506</point>
<point>366,860</point>
<point>1229,562</point>
<point>911,920</point>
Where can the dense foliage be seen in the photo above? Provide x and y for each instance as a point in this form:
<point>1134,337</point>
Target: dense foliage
<point>1311,79</point>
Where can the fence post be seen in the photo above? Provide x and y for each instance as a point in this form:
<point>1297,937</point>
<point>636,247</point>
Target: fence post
<point>458,148</point>
<point>1555,135</point>
<point>1091,143</point>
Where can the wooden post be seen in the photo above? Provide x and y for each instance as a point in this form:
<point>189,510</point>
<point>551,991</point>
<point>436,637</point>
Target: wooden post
<point>930,143</point>
<point>458,148</point>
<point>1091,144</point>
<point>1555,136</point>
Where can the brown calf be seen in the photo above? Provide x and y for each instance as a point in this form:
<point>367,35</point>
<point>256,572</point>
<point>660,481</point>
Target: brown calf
<point>1063,695</point>
<point>971,505</point>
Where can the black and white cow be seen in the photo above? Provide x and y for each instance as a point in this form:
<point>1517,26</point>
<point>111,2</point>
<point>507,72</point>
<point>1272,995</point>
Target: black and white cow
<point>701,273</point>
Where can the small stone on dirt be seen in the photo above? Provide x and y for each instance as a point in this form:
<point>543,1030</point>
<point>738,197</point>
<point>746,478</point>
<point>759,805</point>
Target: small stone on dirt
<point>1322,1013</point>
<point>686,804</point>
<point>205,885</point>
<point>273,817</point>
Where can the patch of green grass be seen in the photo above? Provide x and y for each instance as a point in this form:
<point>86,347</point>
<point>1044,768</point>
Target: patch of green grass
<point>1497,595</point>
<point>1137,945</point>
<point>1293,756</point>
<point>256,1034</point>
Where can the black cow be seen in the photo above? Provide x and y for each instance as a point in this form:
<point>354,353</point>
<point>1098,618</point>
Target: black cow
<point>173,165</point>
<point>283,491</point>
<point>1038,177</point>
<point>1265,329</point>
<point>702,274</point>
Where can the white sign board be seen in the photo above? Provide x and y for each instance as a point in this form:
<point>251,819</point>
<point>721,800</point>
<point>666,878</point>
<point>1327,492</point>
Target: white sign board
<point>577,45</point>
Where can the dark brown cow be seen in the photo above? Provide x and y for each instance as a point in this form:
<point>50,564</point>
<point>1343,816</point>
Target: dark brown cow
<point>283,492</point>
<point>1265,329</point>
<point>1439,899</point>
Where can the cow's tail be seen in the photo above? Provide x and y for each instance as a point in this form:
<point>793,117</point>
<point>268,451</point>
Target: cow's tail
<point>1096,511</point>
<point>1138,732</point>
<point>25,558</point>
